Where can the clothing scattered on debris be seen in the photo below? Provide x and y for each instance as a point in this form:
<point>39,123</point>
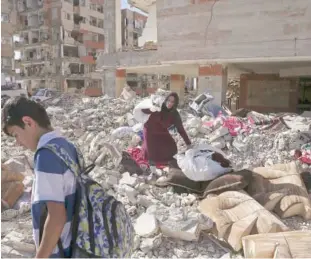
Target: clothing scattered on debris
<point>250,177</point>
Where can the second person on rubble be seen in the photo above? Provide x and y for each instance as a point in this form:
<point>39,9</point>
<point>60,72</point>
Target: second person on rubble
<point>159,146</point>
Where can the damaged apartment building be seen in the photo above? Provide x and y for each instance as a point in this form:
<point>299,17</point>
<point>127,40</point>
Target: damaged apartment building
<point>132,26</point>
<point>59,41</point>
<point>8,23</point>
<point>266,44</point>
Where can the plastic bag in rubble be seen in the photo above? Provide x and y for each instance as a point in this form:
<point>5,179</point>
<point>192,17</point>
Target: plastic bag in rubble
<point>138,114</point>
<point>121,132</point>
<point>197,163</point>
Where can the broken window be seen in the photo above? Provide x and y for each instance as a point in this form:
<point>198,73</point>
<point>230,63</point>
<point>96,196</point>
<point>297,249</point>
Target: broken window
<point>82,69</point>
<point>5,18</point>
<point>75,2</point>
<point>93,7</point>
<point>101,37</point>
<point>92,68</point>
<point>100,8</point>
<point>74,68</point>
<point>68,16</point>
<point>77,18</point>
<point>70,51</point>
<point>100,23</point>
<point>77,36</point>
<point>93,21</point>
<point>94,37</point>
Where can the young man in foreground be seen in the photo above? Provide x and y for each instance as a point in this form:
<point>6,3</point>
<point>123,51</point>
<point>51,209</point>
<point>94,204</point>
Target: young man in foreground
<point>54,185</point>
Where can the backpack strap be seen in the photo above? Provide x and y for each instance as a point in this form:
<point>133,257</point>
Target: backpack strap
<point>65,157</point>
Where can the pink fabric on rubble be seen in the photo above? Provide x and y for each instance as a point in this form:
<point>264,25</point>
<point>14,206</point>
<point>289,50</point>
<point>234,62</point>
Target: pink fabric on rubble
<point>305,154</point>
<point>234,124</point>
<point>138,156</point>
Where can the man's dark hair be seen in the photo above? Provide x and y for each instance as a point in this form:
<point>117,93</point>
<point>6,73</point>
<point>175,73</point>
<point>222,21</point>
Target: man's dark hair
<point>16,108</point>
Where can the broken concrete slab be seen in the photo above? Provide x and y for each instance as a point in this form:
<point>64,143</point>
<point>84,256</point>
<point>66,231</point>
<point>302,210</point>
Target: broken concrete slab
<point>15,165</point>
<point>146,225</point>
<point>128,179</point>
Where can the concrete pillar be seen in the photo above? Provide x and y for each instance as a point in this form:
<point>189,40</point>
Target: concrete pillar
<point>109,82</point>
<point>178,85</point>
<point>213,79</point>
<point>120,81</point>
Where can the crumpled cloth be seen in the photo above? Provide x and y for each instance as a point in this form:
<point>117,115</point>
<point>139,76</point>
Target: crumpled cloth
<point>137,155</point>
<point>304,155</point>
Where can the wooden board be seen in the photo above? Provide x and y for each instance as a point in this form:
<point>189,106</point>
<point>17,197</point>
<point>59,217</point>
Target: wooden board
<point>293,244</point>
<point>236,215</point>
<point>280,189</point>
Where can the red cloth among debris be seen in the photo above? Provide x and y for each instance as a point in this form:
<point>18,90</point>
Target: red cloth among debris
<point>304,155</point>
<point>235,125</point>
<point>138,156</point>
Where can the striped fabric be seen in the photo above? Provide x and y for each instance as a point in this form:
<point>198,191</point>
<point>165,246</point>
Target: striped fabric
<point>53,182</point>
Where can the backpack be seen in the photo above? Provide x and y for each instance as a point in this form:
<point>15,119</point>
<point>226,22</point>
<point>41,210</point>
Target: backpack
<point>101,227</point>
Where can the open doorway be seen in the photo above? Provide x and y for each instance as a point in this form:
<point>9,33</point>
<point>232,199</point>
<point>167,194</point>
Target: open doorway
<point>304,99</point>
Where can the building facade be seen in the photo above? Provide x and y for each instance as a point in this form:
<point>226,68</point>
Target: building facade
<point>8,23</point>
<point>132,25</point>
<point>58,42</point>
<point>265,43</point>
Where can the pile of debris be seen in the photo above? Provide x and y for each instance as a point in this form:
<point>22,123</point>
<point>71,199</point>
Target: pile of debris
<point>168,222</point>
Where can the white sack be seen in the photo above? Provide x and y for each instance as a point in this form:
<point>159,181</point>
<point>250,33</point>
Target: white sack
<point>122,132</point>
<point>197,163</point>
<point>138,114</point>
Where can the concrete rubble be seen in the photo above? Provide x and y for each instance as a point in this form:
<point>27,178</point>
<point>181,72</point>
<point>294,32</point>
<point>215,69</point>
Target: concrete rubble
<point>167,224</point>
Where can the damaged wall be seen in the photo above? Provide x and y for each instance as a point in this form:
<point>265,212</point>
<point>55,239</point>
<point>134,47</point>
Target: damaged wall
<point>268,93</point>
<point>233,29</point>
<point>150,32</point>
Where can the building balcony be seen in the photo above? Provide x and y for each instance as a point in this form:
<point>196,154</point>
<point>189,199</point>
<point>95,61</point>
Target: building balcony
<point>34,42</point>
<point>35,75</point>
<point>33,59</point>
<point>94,44</point>
<point>88,60</point>
<point>71,41</point>
<point>6,66</point>
<point>127,59</point>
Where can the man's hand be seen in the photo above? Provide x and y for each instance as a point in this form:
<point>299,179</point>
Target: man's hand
<point>53,227</point>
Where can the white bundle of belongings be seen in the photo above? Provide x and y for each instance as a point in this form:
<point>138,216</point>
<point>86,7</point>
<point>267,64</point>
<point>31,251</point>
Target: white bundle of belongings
<point>197,163</point>
<point>154,103</point>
